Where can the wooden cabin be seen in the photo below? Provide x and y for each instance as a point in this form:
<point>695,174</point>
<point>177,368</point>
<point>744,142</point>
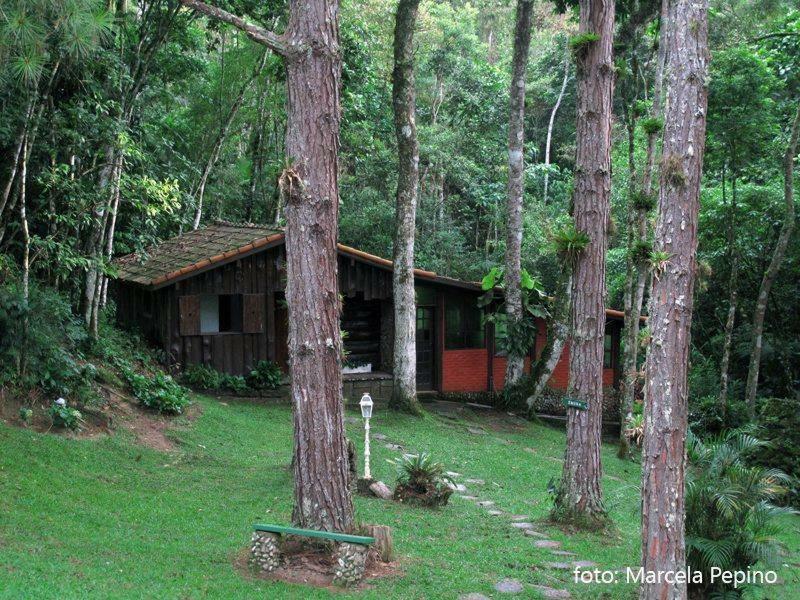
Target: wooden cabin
<point>215,296</point>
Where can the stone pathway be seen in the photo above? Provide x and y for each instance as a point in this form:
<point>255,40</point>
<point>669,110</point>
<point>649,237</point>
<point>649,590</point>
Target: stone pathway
<point>508,586</point>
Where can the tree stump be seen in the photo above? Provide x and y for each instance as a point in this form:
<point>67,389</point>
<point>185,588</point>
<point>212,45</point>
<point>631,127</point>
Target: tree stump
<point>383,545</point>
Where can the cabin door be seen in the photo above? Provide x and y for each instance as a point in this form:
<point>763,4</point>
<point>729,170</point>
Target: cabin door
<point>425,347</point>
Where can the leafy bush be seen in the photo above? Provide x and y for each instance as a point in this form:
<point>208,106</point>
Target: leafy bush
<point>707,419</point>
<point>201,376</point>
<point>779,421</point>
<point>266,375</point>
<point>159,392</point>
<point>66,417</point>
<point>421,480</point>
<point>730,511</point>
<point>235,383</point>
<point>634,429</point>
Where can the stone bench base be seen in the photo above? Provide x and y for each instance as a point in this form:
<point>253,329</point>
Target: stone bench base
<point>350,560</point>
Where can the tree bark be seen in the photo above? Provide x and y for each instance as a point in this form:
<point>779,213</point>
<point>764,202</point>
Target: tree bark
<point>26,254</point>
<point>774,265</point>
<point>552,122</point>
<point>580,499</point>
<point>404,392</point>
<point>516,181</point>
<point>666,392</point>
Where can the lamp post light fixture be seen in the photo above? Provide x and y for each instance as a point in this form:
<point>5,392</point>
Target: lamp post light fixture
<point>366,412</point>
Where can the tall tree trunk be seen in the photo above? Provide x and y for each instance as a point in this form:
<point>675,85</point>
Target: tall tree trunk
<point>516,182</point>
<point>310,186</point>
<point>557,335</point>
<point>404,392</point>
<point>774,265</point>
<point>733,296</point>
<point>26,255</point>
<point>666,391</point>
<point>550,125</point>
<point>580,498</point>
<point>219,141</point>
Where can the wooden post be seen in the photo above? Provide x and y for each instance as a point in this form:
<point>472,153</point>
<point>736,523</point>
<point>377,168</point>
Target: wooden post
<point>383,544</point>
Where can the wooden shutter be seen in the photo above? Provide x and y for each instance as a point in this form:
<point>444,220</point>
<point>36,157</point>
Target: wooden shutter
<point>189,314</point>
<point>253,313</point>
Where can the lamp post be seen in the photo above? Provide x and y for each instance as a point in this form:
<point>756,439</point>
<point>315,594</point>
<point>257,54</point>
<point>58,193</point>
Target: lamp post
<point>366,412</point>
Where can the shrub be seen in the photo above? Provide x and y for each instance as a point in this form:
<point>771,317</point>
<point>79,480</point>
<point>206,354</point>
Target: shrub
<point>706,419</point>
<point>159,392</point>
<point>421,480</point>
<point>634,429</point>
<point>266,375</point>
<point>779,421</point>
<point>730,511</point>
<point>235,383</point>
<point>26,415</point>
<point>201,376</point>
<point>64,416</point>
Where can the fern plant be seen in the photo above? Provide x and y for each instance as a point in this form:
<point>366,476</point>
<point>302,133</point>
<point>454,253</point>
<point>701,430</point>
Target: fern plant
<point>731,518</point>
<point>421,480</point>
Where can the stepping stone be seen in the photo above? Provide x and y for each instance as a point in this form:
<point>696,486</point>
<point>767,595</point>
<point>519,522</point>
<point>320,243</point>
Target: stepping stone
<point>473,596</point>
<point>394,447</point>
<point>379,436</point>
<point>457,487</point>
<point>476,431</point>
<point>495,513</point>
<point>522,525</point>
<point>558,565</point>
<point>486,503</point>
<point>551,544</point>
<point>508,586</point>
<point>562,553</point>
<point>533,533</point>
<point>520,517</point>
<point>476,481</point>
<point>468,497</point>
<point>583,564</point>
<point>552,593</point>
<point>453,474</point>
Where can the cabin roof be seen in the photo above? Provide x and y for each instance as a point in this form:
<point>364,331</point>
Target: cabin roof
<point>222,242</point>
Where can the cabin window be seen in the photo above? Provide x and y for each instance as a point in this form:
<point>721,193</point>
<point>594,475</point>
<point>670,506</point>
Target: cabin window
<point>221,314</point>
<point>608,351</point>
<point>463,324</point>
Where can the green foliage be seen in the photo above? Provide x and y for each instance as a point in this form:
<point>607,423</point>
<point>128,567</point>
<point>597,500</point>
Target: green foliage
<point>202,377</point>
<point>659,260</point>
<point>26,415</point>
<point>266,375</point>
<point>208,378</point>
<point>707,418</point>
<point>779,426</point>
<point>651,125</point>
<point>641,251</point>
<point>731,518</point>
<point>641,200</point>
<point>421,480</point>
<point>65,417</point>
<point>158,391</point>
<point>634,429</point>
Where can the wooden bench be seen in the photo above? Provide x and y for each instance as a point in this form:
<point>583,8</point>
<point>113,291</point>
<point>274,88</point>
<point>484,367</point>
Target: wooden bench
<point>350,557</point>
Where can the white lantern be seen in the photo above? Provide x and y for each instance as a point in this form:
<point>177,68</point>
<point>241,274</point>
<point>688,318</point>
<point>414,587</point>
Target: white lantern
<point>366,406</point>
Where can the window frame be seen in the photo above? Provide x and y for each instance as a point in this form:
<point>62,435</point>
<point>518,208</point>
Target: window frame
<point>467,329</point>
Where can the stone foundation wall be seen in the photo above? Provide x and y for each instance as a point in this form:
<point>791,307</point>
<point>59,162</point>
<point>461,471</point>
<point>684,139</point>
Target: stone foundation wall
<point>377,385</point>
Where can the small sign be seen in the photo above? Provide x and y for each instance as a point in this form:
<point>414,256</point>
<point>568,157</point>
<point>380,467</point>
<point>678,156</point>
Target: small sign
<point>575,403</point>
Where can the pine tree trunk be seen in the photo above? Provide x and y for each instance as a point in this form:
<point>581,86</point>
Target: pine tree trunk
<point>310,188</point>
<point>580,499</point>
<point>404,392</point>
<point>26,254</point>
<point>664,448</point>
<point>774,265</point>
<point>516,182</point>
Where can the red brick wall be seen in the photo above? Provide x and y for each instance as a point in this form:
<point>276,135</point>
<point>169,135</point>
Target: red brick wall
<point>465,370</point>
<point>499,371</point>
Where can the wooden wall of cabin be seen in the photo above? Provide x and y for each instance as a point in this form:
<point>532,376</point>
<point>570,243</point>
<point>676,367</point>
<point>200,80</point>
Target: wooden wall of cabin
<point>257,276</point>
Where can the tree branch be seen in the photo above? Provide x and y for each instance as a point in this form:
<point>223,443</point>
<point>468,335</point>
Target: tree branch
<point>258,34</point>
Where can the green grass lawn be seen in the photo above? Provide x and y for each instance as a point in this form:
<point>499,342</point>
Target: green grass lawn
<point>108,518</point>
